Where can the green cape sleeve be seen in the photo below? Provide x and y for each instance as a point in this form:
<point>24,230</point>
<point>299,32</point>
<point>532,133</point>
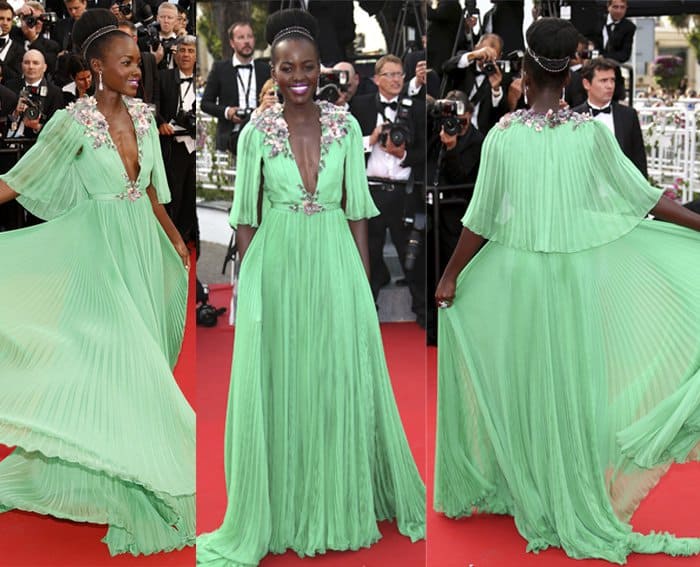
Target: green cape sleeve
<point>248,175</point>
<point>45,177</point>
<point>559,189</point>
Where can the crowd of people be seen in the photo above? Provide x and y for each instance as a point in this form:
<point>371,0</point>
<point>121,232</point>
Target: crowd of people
<point>41,71</point>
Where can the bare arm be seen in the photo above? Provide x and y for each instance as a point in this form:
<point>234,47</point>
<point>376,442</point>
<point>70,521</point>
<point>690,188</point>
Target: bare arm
<point>244,236</point>
<point>168,226</point>
<point>670,211</point>
<point>359,233</point>
<point>6,193</point>
<point>468,245</point>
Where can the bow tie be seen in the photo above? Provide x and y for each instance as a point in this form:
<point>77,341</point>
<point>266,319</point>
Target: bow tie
<point>185,79</point>
<point>393,105</point>
<point>30,89</point>
<point>245,66</point>
<point>597,111</point>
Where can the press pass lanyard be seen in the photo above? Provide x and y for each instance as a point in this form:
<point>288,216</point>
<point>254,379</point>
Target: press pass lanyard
<point>247,88</point>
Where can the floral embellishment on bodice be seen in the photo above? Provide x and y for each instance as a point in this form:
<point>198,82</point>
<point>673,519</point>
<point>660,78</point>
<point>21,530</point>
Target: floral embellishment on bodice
<point>86,113</point>
<point>271,122</point>
<point>309,203</point>
<point>539,121</point>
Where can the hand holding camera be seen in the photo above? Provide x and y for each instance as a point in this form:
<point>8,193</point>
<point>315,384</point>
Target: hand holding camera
<point>398,151</point>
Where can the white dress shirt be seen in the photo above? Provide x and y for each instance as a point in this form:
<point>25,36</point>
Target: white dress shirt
<point>496,97</point>
<point>380,163</point>
<point>187,97</point>
<point>604,117</point>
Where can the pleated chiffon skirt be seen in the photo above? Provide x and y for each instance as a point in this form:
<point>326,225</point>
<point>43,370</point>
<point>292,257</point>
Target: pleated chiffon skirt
<point>92,309</point>
<point>568,384</point>
<point>315,449</point>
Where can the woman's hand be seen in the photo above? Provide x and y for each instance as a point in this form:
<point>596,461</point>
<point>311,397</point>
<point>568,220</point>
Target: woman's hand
<point>445,292</point>
<point>183,252</point>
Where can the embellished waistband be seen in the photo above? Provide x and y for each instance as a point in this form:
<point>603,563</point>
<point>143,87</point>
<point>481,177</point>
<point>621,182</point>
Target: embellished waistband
<point>306,207</point>
<point>126,196</point>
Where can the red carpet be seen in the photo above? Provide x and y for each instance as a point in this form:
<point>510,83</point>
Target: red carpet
<point>32,540</point>
<point>493,541</point>
<point>405,353</point>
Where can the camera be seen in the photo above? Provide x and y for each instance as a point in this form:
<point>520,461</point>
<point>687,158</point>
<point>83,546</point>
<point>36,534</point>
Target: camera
<point>512,64</point>
<point>416,223</point>
<point>124,6</point>
<point>447,112</point>
<point>207,315</point>
<point>187,119</point>
<point>330,85</point>
<point>29,97</point>
<point>589,54</point>
<point>148,37</point>
<point>48,18</point>
<point>244,115</point>
<point>398,131</point>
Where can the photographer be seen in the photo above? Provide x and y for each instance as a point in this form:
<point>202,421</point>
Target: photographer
<point>350,89</point>
<point>176,125</point>
<point>63,30</point>
<point>393,164</point>
<point>81,85</point>
<point>38,97</point>
<point>167,20</point>
<point>136,11</point>
<point>31,32</point>
<point>575,94</point>
<point>233,85</point>
<point>478,73</point>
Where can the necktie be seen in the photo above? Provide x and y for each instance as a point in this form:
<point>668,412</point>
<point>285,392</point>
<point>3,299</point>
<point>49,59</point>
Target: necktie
<point>597,111</point>
<point>393,105</point>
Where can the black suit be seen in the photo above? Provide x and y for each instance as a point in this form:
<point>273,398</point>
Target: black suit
<point>12,62</point>
<point>444,23</point>
<point>620,38</point>
<point>464,80</point>
<point>393,204</point>
<point>222,91</point>
<point>179,163</point>
<point>628,133</point>
<point>63,33</point>
<point>575,93</point>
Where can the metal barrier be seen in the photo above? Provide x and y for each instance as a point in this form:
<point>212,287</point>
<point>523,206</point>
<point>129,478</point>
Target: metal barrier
<point>215,169</point>
<point>671,139</point>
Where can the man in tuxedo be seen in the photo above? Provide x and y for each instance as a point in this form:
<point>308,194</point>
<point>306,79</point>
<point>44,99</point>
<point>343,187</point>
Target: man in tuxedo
<point>353,82</point>
<point>468,73</point>
<point>167,18</point>
<point>33,88</point>
<point>11,51</point>
<point>233,85</point>
<point>177,99</point>
<point>393,170</point>
<point>598,77</point>
<point>63,30</point>
<point>617,33</point>
<point>33,37</point>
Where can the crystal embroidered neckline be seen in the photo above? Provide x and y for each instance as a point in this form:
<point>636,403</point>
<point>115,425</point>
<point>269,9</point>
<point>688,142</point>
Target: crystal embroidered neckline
<point>334,126</point>
<point>539,121</point>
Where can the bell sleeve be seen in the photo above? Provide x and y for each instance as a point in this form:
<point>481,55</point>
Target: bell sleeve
<point>248,175</point>
<point>358,201</point>
<point>45,176</point>
<point>159,179</point>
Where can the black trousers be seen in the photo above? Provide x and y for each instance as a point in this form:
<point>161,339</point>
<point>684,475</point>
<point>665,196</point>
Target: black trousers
<point>180,169</point>
<point>392,206</point>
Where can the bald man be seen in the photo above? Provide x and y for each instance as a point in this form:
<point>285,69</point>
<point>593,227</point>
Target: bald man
<point>33,89</point>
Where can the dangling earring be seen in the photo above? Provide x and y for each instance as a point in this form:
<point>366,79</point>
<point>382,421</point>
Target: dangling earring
<point>563,93</point>
<point>527,102</point>
<point>99,82</point>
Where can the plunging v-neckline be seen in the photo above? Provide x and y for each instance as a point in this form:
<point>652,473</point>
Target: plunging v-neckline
<point>116,149</point>
<point>294,157</point>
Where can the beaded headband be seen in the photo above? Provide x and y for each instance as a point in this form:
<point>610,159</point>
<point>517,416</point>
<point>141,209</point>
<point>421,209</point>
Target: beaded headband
<point>293,30</point>
<point>94,35</point>
<point>550,65</point>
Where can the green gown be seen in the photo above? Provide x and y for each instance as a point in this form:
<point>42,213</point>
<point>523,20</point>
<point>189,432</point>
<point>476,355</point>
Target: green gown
<point>569,362</point>
<point>92,307</point>
<point>315,451</point>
